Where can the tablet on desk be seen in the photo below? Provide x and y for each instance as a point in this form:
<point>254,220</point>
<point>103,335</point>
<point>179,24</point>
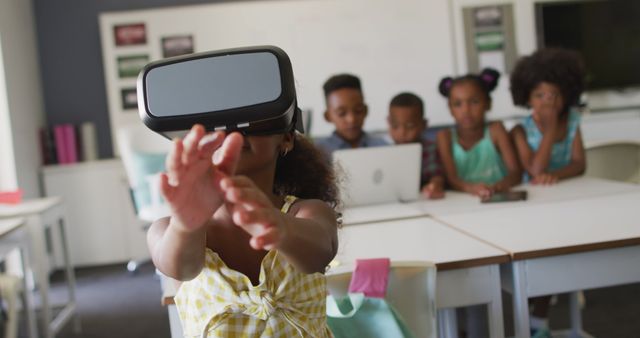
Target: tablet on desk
<point>509,196</point>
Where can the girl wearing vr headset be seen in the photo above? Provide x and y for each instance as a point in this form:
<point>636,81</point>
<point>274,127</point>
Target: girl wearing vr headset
<point>251,255</point>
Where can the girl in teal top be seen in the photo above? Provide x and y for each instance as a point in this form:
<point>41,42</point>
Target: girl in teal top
<point>478,157</point>
<point>549,142</point>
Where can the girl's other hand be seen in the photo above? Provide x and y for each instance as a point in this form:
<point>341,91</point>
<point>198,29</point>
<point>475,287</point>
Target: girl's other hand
<point>251,209</point>
<point>191,184</point>
<point>481,190</point>
<point>544,179</point>
<point>433,191</point>
<point>547,117</point>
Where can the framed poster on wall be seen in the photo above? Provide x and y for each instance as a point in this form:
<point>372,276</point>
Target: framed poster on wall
<point>130,34</point>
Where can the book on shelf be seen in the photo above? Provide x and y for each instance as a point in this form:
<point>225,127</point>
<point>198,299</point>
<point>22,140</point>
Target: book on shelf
<point>67,143</point>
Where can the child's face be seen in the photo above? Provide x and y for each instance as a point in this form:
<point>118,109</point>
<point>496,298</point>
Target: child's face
<point>347,111</point>
<point>405,124</point>
<point>468,104</point>
<point>260,152</point>
<point>546,98</point>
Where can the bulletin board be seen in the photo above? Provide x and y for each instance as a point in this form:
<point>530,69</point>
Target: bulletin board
<point>392,46</point>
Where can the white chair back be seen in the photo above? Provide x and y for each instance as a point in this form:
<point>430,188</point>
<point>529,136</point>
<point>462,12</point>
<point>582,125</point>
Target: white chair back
<point>615,160</point>
<point>138,138</point>
<point>411,290</point>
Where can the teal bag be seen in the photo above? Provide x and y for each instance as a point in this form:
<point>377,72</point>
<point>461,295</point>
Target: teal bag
<point>359,316</point>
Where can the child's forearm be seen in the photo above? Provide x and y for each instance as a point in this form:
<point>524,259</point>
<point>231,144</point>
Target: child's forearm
<point>512,179</point>
<point>308,245</point>
<point>177,253</point>
<point>571,170</point>
<point>541,157</point>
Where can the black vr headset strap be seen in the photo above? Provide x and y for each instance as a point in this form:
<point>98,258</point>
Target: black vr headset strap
<point>297,120</point>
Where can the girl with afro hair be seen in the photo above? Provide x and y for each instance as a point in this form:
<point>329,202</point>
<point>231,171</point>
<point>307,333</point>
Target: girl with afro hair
<point>549,143</point>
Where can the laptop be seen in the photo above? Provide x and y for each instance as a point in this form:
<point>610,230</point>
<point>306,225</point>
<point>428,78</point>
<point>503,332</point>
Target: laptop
<point>378,175</point>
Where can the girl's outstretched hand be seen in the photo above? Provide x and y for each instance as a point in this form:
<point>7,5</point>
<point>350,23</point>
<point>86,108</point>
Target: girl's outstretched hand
<point>191,185</point>
<point>252,210</point>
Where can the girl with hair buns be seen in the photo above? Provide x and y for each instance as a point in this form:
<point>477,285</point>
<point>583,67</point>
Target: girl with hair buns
<point>478,157</point>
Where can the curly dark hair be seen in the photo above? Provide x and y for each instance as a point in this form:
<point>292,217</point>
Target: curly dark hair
<point>487,80</point>
<point>561,67</point>
<point>407,99</point>
<point>305,173</point>
<point>340,81</point>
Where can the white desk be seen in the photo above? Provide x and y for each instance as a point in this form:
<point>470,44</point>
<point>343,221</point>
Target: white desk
<point>563,246</point>
<point>12,237</point>
<point>468,269</point>
<point>571,189</point>
<point>382,212</point>
<point>41,214</point>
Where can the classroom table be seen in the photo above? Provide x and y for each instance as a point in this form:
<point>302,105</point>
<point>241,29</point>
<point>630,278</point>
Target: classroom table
<point>468,269</point>
<point>14,237</point>
<point>576,188</point>
<point>588,242</point>
<point>382,212</point>
<point>42,214</point>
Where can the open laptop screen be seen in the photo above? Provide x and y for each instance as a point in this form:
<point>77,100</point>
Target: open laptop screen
<point>379,174</point>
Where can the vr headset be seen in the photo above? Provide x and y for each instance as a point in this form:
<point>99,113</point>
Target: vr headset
<point>250,90</point>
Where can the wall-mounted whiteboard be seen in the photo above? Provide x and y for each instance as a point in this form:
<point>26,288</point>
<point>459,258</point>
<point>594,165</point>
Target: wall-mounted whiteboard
<point>393,46</point>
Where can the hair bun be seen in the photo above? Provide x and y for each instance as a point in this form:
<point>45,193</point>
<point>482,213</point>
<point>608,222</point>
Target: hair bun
<point>445,86</point>
<point>489,77</point>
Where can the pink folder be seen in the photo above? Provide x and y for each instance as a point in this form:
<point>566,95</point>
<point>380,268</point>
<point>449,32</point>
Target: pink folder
<point>370,277</point>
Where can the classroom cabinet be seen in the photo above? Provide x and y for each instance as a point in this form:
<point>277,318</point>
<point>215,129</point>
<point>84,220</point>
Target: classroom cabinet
<point>102,226</point>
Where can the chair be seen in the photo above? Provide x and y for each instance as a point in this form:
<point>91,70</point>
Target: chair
<point>143,154</point>
<point>10,288</point>
<point>411,290</point>
<point>614,160</point>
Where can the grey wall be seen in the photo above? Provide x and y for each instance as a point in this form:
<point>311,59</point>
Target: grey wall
<point>71,59</point>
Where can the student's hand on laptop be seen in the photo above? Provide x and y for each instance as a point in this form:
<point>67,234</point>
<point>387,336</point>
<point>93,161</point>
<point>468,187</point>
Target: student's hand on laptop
<point>433,191</point>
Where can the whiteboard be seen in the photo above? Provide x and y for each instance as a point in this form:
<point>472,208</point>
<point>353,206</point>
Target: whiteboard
<point>393,46</point>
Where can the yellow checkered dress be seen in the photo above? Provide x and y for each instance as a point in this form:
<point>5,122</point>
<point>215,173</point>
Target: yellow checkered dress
<point>222,302</point>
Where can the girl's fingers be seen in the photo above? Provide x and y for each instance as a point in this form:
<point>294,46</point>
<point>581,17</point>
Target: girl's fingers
<point>251,197</point>
<point>174,162</point>
<point>191,142</point>
<point>226,158</point>
<point>236,182</point>
<point>262,217</point>
<point>209,143</point>
<point>269,240</point>
<point>166,189</point>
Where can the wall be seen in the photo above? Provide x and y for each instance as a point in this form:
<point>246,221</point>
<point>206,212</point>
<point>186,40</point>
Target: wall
<point>8,180</point>
<point>22,93</point>
<point>71,61</point>
<point>391,48</point>
<point>70,51</point>
<point>525,34</point>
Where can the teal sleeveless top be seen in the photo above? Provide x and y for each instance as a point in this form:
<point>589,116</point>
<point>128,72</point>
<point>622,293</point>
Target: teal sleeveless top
<point>560,151</point>
<point>480,164</point>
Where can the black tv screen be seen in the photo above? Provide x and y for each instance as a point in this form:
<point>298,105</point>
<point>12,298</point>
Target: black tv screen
<point>606,33</point>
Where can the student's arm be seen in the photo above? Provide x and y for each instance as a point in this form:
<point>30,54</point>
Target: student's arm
<point>176,253</point>
<point>445,151</point>
<point>306,236</point>
<point>536,163</point>
<point>501,139</point>
<point>191,188</point>
<point>578,162</point>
